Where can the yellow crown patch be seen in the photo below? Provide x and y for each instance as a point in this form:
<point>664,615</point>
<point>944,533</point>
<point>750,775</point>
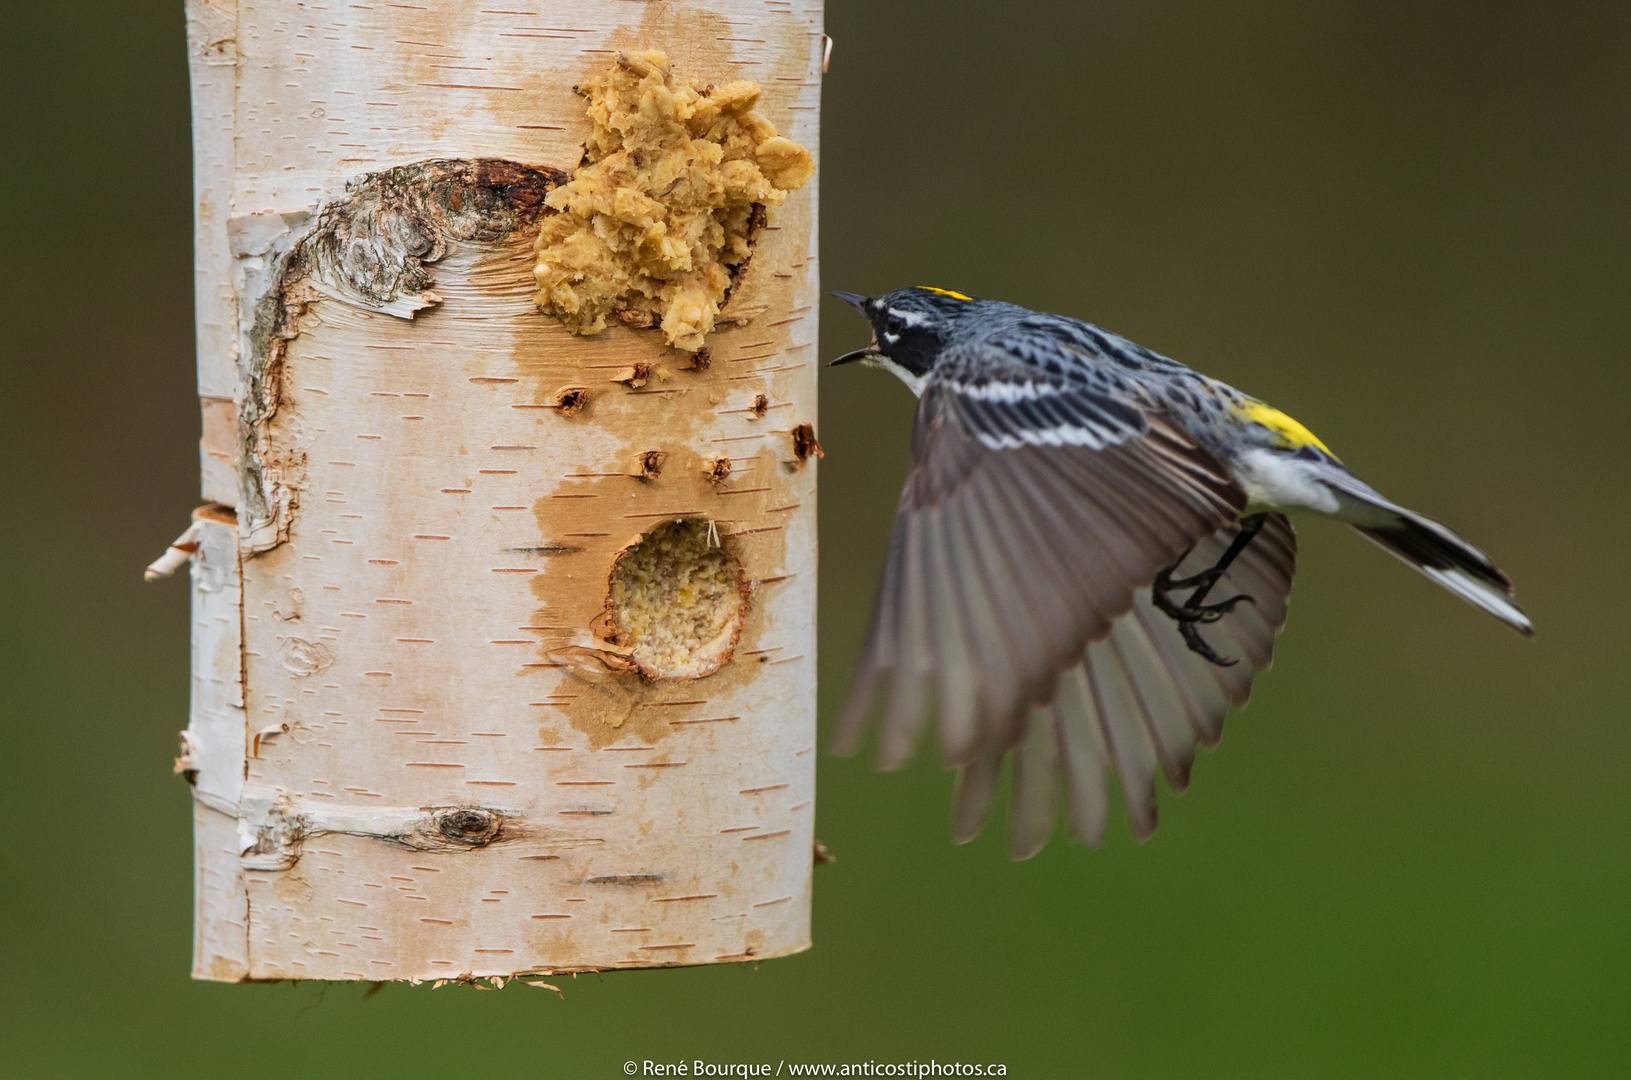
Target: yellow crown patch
<point>945,292</point>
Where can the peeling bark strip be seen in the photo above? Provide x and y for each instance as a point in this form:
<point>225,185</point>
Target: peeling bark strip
<point>421,745</point>
<point>370,248</point>
<point>272,837</point>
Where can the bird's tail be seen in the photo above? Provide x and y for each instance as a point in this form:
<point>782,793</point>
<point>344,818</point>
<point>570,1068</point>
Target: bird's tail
<point>1431,548</point>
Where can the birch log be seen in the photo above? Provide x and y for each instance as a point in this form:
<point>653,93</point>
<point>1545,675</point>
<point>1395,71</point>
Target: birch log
<point>415,753</point>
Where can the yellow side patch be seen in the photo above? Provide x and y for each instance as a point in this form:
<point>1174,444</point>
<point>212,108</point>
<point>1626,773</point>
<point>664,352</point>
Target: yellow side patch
<point>1292,434</point>
<point>945,292</point>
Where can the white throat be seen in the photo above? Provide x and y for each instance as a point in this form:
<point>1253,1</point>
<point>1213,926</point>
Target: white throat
<point>914,382</point>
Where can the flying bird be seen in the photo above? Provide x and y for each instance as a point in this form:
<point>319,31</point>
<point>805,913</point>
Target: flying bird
<point>1091,558</point>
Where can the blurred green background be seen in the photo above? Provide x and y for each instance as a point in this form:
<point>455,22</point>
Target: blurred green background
<point>1406,224</point>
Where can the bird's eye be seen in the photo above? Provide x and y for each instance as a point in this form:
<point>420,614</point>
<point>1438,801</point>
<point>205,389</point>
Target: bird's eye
<point>895,324</point>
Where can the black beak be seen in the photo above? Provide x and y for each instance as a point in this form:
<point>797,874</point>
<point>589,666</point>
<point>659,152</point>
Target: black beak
<point>852,299</point>
<point>858,354</point>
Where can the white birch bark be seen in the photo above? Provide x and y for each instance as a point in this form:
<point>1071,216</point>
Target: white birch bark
<point>408,762</point>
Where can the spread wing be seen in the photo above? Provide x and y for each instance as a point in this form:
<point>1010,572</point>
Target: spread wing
<point>1139,701</point>
<point>1041,500</point>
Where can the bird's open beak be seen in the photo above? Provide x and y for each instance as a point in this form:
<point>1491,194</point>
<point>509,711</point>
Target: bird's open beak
<point>858,302</point>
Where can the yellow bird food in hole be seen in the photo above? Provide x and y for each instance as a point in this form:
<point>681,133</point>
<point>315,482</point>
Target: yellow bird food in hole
<point>677,599</point>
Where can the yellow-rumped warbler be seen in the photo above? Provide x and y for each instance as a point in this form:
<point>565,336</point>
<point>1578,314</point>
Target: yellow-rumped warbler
<point>1065,485</point>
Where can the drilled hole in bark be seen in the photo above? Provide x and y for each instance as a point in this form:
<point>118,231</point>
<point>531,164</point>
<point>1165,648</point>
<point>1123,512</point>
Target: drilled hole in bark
<point>570,401</point>
<point>649,466</point>
<point>677,600</point>
<point>634,376</point>
<point>717,471</point>
<point>805,443</point>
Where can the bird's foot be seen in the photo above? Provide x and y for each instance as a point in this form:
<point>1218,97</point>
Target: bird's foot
<point>1203,580</point>
<point>1191,614</point>
<point>1161,592</point>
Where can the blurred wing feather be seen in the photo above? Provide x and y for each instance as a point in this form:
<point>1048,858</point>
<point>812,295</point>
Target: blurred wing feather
<point>1155,701</point>
<point>1015,605</point>
<point>1033,513</point>
<point>1034,509</point>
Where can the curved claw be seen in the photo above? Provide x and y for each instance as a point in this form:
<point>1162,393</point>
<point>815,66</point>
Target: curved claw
<point>1192,613</point>
<point>1197,644</point>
